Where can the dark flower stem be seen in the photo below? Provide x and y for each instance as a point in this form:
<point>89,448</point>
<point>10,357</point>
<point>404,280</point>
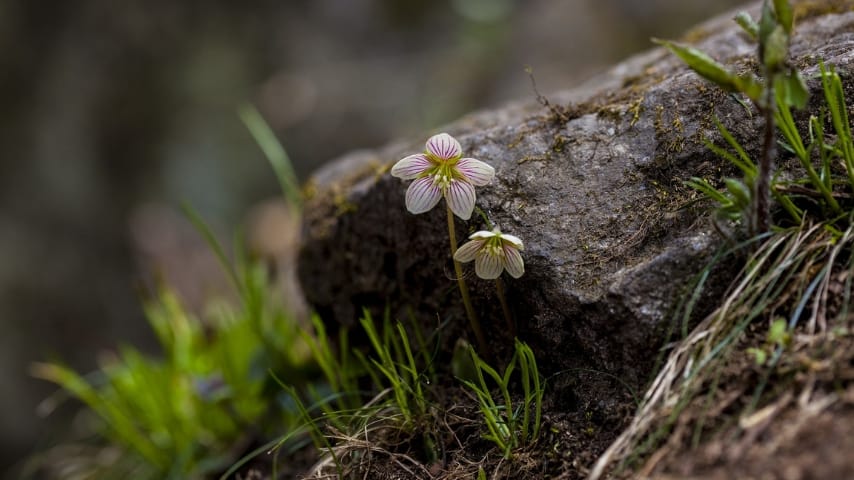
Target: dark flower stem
<point>464,289</point>
<point>763,183</point>
<point>508,317</point>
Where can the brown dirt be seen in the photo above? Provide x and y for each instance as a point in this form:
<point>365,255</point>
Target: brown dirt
<point>801,428</point>
<point>799,446</point>
<point>583,413</point>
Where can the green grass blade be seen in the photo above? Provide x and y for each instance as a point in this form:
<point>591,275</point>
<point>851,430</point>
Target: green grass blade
<point>214,245</point>
<point>834,95</point>
<point>745,164</point>
<point>275,153</point>
<point>412,369</point>
<point>116,418</point>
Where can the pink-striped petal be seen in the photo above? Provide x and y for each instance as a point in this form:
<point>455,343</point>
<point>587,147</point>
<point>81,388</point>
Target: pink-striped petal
<point>460,197</point>
<point>487,265</point>
<point>422,195</point>
<point>468,251</point>
<point>477,172</point>
<point>411,167</point>
<point>444,146</point>
<point>513,261</point>
<point>513,240</point>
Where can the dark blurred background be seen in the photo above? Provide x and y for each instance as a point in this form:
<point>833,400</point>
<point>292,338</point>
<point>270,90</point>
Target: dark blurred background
<point>114,112</point>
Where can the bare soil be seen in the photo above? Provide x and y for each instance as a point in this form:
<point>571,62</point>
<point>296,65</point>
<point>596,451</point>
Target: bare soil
<point>802,428</point>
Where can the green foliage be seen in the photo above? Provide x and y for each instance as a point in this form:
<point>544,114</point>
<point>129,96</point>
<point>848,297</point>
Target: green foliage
<point>336,400</point>
<point>819,179</point>
<point>817,156</point>
<point>182,413</point>
<point>815,192</point>
<point>773,32</point>
<point>275,153</point>
<point>748,24</point>
<point>340,393</point>
<point>778,337</point>
<point>835,97</point>
<point>785,15</point>
<point>776,48</point>
<point>320,440</point>
<point>340,413</point>
<point>775,28</point>
<point>734,203</point>
<point>397,365</point>
<point>791,90</point>
<point>509,428</point>
<point>711,70</point>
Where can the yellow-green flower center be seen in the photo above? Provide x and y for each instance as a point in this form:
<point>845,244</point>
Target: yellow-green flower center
<point>443,172</point>
<point>493,247</point>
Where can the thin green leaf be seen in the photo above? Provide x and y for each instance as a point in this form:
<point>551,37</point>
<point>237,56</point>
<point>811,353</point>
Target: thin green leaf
<point>214,245</point>
<point>539,390</point>
<point>745,21</point>
<point>524,370</point>
<point>767,22</point>
<point>832,86</point>
<point>275,153</point>
<point>786,124</point>
<point>750,86</point>
<point>792,89</point>
<point>739,191</point>
<point>703,186</point>
<point>788,205</point>
<point>746,165</point>
<point>412,369</point>
<point>785,15</point>
<point>775,49</point>
<point>703,64</point>
<point>115,417</point>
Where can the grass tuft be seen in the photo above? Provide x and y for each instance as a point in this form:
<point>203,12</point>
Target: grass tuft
<point>509,428</point>
<point>790,275</point>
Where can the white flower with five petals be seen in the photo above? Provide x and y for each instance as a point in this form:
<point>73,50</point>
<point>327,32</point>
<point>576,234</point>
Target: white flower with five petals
<point>493,252</point>
<point>442,172</point>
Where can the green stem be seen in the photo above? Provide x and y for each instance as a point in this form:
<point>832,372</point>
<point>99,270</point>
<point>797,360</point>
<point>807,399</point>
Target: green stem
<point>508,317</point>
<point>464,289</point>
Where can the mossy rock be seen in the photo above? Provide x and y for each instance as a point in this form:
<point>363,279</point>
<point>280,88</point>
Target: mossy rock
<point>593,184</point>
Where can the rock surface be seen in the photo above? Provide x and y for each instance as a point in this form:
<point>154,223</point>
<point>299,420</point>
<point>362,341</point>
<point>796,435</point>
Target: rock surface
<point>591,183</point>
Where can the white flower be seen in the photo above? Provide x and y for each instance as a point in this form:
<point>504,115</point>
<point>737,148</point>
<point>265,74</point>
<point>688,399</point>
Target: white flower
<point>492,253</point>
<point>441,172</point>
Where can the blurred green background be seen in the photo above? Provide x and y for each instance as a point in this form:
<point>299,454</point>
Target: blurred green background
<point>114,112</point>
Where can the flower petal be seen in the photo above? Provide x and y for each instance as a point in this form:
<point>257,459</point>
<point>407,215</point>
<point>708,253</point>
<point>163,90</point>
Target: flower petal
<point>477,172</point>
<point>468,251</point>
<point>411,167</point>
<point>422,195</point>
<point>482,234</point>
<point>487,265</point>
<point>460,197</point>
<point>513,261</point>
<point>444,146</point>
<point>513,240</point>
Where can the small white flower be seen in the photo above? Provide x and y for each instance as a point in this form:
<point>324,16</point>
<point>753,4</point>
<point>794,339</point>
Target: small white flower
<point>441,172</point>
<point>492,253</point>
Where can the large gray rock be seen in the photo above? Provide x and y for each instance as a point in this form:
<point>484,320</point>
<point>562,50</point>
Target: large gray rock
<point>593,185</point>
